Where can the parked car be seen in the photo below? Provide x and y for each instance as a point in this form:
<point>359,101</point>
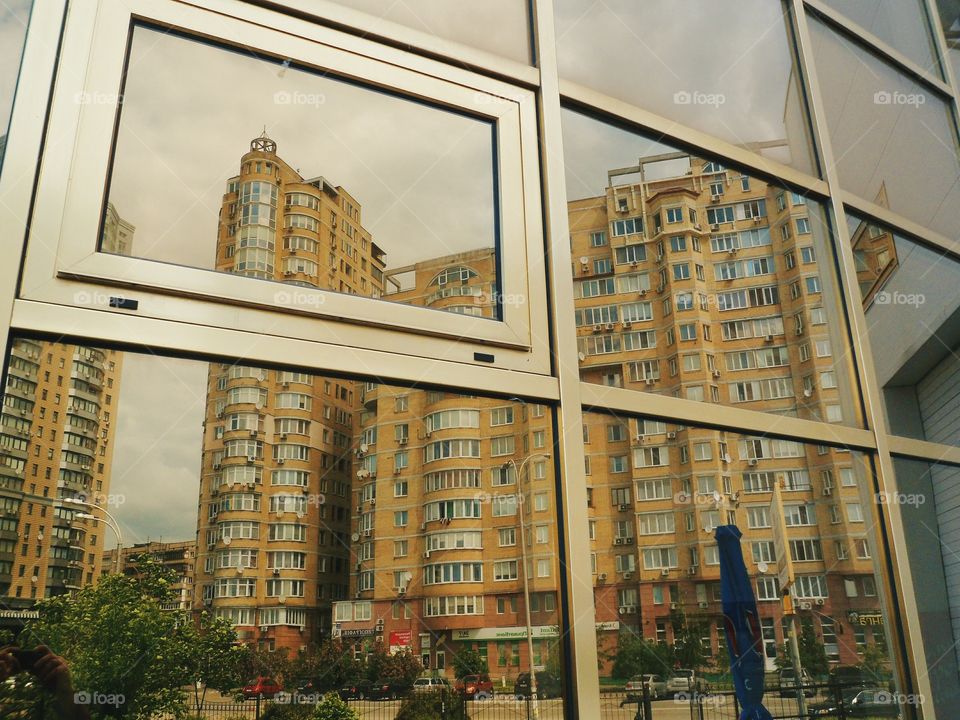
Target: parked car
<point>548,686</point>
<point>787,683</point>
<point>656,687</point>
<point>263,687</point>
<point>475,687</point>
<point>430,683</point>
<point>685,681</point>
<point>859,703</point>
<point>357,690</point>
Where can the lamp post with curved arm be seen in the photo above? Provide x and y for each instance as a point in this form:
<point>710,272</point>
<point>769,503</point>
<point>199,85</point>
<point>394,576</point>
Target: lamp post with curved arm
<point>526,580</point>
<point>110,520</point>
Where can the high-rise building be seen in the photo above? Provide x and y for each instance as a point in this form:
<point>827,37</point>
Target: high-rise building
<point>705,285</point>
<point>57,435</point>
<point>274,521</point>
<point>175,556</point>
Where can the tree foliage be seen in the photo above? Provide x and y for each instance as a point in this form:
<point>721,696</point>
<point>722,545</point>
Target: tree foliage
<point>468,661</point>
<point>636,655</point>
<point>435,705</point>
<point>328,666</point>
<point>401,668</point>
<point>688,649</point>
<point>119,640</point>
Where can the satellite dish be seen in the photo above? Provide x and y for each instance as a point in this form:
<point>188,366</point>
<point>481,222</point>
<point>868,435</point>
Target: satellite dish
<point>355,537</point>
<point>584,259</point>
<point>808,392</point>
<point>717,497</point>
<point>364,447</point>
<point>762,567</point>
<point>227,540</point>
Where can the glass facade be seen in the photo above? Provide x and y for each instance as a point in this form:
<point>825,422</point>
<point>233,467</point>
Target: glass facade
<point>697,267</point>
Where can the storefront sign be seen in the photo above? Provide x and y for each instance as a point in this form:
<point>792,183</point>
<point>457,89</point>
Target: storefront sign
<point>865,618</point>
<point>358,632</point>
<point>401,637</point>
<point>507,633</point>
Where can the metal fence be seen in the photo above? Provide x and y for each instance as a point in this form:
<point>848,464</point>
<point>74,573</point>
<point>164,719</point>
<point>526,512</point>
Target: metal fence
<point>833,701</point>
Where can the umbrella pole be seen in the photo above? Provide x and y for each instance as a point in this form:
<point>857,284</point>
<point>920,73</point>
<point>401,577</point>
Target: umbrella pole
<point>797,669</point>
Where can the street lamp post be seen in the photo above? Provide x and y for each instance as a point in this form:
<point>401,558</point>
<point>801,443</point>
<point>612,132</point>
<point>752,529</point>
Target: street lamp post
<point>110,520</point>
<point>526,578</point>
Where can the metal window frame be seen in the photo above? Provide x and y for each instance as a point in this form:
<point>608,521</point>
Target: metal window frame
<point>379,354</point>
<point>62,264</point>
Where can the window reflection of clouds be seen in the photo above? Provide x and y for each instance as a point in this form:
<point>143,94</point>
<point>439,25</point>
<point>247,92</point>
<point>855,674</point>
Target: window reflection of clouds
<point>736,81</point>
<point>423,176</point>
<point>13,27</point>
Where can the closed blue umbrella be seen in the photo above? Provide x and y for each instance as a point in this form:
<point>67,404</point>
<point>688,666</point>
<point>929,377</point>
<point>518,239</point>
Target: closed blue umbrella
<point>742,625</point>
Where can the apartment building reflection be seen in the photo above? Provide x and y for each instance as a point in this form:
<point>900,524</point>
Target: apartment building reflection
<point>378,513</point>
<point>718,301</point>
<point>274,519</point>
<point>57,435</point>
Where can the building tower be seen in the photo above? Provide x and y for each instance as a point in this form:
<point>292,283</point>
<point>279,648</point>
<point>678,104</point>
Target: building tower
<point>273,522</point>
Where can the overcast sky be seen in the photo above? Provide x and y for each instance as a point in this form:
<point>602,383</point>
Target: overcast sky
<point>156,461</point>
<point>423,176</point>
<point>647,52</point>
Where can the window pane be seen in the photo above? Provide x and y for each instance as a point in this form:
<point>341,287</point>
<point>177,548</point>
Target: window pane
<point>881,123</point>
<point>342,187</point>
<point>744,311</point>
<point>925,496</point>
<point>704,85</point>
<point>912,307</point>
<point>308,526</point>
<point>950,22</point>
<point>902,24</point>
<point>467,23</point>
<point>657,572</point>
<point>13,29</point>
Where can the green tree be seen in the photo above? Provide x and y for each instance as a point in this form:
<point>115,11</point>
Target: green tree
<point>435,705</point>
<point>119,641</point>
<point>401,668</point>
<point>688,650</point>
<point>217,660</point>
<point>813,655</point>
<point>635,656</point>
<point>468,661</point>
<point>876,662</point>
<point>274,664</point>
<point>328,666</point>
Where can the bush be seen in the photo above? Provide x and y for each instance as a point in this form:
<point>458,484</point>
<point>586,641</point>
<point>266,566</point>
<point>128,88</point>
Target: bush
<point>331,707</point>
<point>287,712</point>
<point>435,705</point>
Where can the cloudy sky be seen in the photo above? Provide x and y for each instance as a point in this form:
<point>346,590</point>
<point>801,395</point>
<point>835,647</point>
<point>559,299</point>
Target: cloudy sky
<point>732,61</point>
<point>423,176</point>
<point>156,462</point>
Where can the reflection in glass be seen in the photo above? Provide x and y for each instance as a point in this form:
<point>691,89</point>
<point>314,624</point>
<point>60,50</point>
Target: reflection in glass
<point>417,182</point>
<point>926,500</point>
<point>704,84</point>
<point>695,280</point>
<point>657,490</point>
<point>322,508</point>
<point>467,23</point>
<point>913,313</point>
<point>895,143</point>
<point>950,22</point>
<point>902,24</point>
<point>14,16</point>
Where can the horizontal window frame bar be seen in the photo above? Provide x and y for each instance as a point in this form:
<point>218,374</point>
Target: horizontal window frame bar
<point>899,224</point>
<point>601,398</point>
<point>915,449</point>
<point>407,39</point>
<point>870,42</point>
<point>142,334</point>
<point>605,108</point>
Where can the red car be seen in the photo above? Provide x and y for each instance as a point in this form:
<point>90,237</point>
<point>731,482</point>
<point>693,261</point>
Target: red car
<point>475,687</point>
<point>262,687</point>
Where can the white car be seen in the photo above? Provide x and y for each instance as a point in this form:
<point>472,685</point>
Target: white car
<point>428,684</point>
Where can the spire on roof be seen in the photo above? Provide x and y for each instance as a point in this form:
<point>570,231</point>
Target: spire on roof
<point>263,143</point>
